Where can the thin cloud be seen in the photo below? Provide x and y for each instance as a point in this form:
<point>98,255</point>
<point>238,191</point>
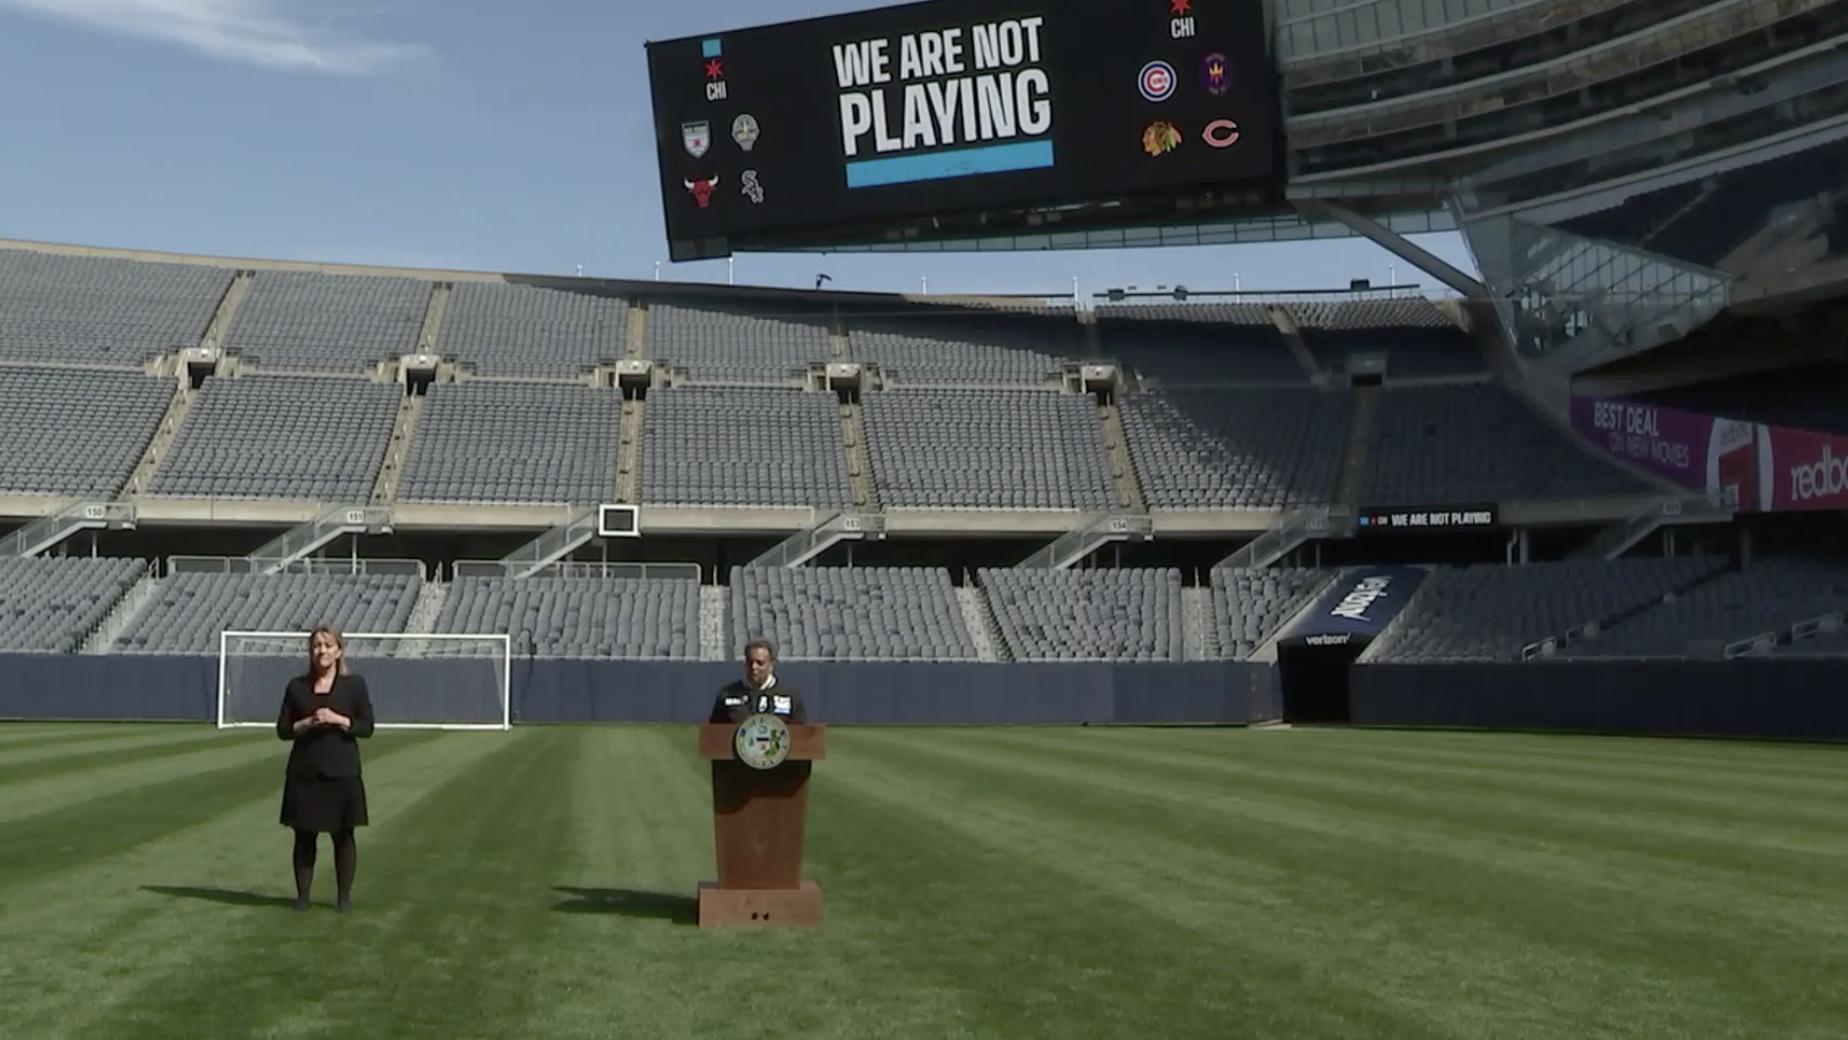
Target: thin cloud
<point>254,32</point>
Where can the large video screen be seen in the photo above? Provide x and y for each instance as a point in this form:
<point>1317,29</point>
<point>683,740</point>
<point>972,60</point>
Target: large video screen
<point>957,105</point>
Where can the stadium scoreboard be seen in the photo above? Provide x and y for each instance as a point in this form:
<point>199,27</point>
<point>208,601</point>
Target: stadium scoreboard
<point>956,106</point>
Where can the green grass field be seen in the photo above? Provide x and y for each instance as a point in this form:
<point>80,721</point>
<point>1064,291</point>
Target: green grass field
<point>1006,883</point>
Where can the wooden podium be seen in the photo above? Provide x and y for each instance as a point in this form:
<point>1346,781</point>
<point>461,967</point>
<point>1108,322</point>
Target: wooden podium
<point>758,818</point>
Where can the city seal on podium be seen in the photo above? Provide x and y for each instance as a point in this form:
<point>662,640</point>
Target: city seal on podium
<point>762,741</point>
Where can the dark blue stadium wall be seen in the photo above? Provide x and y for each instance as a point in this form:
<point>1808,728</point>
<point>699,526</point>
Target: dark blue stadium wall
<point>1805,700</point>
<point>551,691</point>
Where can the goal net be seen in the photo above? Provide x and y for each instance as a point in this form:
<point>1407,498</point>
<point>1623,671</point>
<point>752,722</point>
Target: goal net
<point>417,681</point>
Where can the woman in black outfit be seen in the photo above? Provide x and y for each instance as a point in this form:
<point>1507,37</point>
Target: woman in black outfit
<point>324,712</point>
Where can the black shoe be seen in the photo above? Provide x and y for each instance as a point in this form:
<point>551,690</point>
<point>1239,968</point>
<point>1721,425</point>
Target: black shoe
<point>343,906</point>
<point>299,906</point>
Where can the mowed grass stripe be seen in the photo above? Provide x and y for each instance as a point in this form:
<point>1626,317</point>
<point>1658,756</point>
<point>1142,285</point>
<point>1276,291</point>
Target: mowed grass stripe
<point>1754,767</point>
<point>107,823</point>
<point>443,897</point>
<point>1070,929</point>
<point>39,796</point>
<point>47,763</point>
<point>1732,835</point>
<point>22,736</point>
<point>1760,888</point>
<point>152,916</point>
<point>637,863</point>
<point>1497,928</point>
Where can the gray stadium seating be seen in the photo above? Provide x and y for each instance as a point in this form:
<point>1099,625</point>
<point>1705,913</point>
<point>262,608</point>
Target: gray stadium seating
<point>290,437</point>
<point>1768,597</point>
<point>722,344</point>
<point>319,322</point>
<point>1198,345</point>
<point>189,610</point>
<point>70,308</point>
<point>514,442</point>
<point>76,432</point>
<point>736,446</point>
<point>852,613</point>
<point>1462,444</point>
<point>1250,315</point>
<point>949,360</point>
<point>518,330</point>
<point>630,619</point>
<point>1088,615</point>
<point>1419,340</point>
<point>987,449</point>
<point>1250,605</point>
<point>1490,613</point>
<point>48,605</point>
<point>1237,449</point>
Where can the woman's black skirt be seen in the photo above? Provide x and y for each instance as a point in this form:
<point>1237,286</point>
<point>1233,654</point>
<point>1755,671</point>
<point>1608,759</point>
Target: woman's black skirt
<point>324,803</point>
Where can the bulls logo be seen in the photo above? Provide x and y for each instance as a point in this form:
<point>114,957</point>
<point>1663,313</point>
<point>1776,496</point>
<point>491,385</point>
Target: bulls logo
<point>702,190</point>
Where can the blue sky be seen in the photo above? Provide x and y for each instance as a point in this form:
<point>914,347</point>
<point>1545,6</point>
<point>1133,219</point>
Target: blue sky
<point>462,133</point>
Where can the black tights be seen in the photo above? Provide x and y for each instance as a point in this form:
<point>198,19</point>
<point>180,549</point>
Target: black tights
<point>346,860</point>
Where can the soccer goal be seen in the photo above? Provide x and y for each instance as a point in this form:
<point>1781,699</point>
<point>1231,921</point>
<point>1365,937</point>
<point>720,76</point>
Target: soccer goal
<point>417,681</point>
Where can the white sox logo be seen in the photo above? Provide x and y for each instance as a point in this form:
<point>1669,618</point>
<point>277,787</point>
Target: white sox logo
<point>752,189</point>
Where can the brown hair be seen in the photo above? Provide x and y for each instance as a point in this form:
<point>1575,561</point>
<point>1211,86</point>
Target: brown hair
<point>340,666</point>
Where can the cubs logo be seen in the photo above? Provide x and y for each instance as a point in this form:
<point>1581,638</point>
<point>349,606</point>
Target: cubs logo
<point>1156,81</point>
<point>702,190</point>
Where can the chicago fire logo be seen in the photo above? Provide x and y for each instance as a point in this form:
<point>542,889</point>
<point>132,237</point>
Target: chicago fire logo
<point>1216,74</point>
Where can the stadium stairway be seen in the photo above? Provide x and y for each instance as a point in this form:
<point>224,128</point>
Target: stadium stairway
<point>428,607</point>
<point>1299,347</point>
<point>859,458</point>
<point>979,617</point>
<point>122,614</point>
<point>435,308</point>
<point>165,434</point>
<point>714,601</point>
<point>631,430</point>
<point>1199,635</point>
<point>397,449</point>
<point>636,347</point>
<point>1363,427</point>
<point>1126,482</point>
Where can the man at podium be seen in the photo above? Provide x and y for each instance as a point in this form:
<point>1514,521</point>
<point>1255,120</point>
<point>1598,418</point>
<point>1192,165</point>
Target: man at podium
<point>758,693</point>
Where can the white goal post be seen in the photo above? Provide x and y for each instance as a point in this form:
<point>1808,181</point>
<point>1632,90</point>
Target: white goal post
<point>419,680</point>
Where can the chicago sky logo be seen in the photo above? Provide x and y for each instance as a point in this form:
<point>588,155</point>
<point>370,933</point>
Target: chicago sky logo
<point>697,137</point>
